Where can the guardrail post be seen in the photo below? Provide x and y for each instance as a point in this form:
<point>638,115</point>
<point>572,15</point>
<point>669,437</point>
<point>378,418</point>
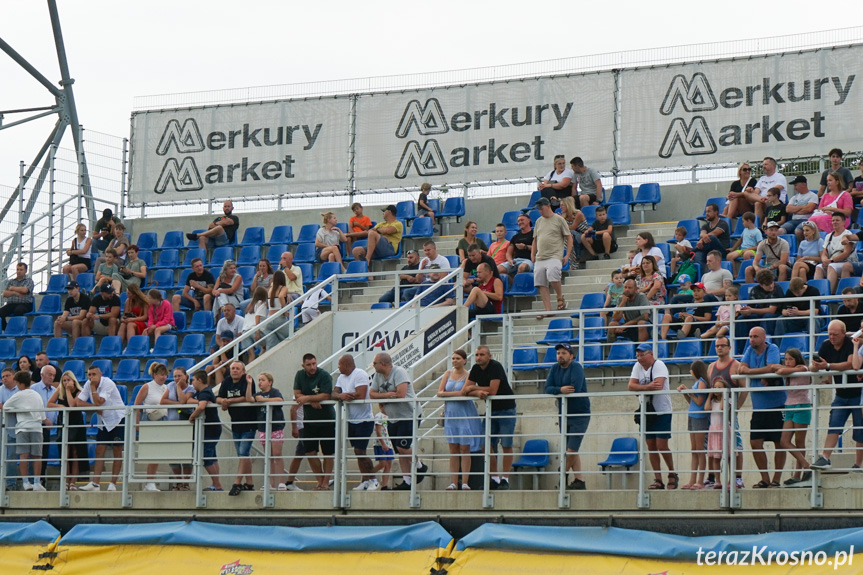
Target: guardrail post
<point>268,499</point>
<point>562,495</point>
<point>487,496</point>
<point>51,259</point>
<point>729,496</point>
<point>197,462</point>
<point>415,499</point>
<point>64,462</point>
<point>816,496</point>
<point>643,496</point>
<point>128,459</point>
<point>341,498</point>
<point>4,497</point>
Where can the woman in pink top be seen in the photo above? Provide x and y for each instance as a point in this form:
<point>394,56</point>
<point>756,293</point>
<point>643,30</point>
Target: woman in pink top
<point>834,200</point>
<point>160,317</point>
<point>798,414</point>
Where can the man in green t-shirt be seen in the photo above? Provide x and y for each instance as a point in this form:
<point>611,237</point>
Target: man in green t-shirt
<point>311,387</point>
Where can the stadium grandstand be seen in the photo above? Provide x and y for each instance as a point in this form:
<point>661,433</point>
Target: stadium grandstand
<point>627,293</point>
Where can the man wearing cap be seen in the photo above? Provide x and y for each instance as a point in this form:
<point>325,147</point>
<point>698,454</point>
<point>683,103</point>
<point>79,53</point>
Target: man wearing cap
<point>552,240</point>
<point>567,377</point>
<point>775,251</point>
<point>651,374</point>
<point>383,239</point>
<point>800,207</point>
<point>103,317</point>
<point>103,231</point>
<point>630,323</point>
<point>717,279</point>
<point>18,295</point>
<point>692,318</point>
<point>406,280</point>
<point>74,312</point>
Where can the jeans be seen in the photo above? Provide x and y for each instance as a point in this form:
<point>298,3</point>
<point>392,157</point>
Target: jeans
<point>701,254</point>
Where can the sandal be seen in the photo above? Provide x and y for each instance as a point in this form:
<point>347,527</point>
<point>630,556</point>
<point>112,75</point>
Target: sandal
<point>657,484</point>
<point>775,484</point>
<point>561,304</point>
<point>688,486</point>
<point>761,485</point>
<point>717,485</point>
<point>184,487</point>
<point>697,486</point>
<point>672,481</point>
<point>451,487</point>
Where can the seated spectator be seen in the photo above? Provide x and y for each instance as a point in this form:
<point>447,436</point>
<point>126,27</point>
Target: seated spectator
<point>650,281</point>
<point>134,271</point>
<point>423,208</point>
<point>228,290</point>
<point>328,240</point>
<point>685,283</point>
<point>518,253</point>
<point>384,238</point>
<point>765,290</point>
<point>613,290</point>
<point>293,276</point>
<point>230,322</point>
<point>103,317</point>
<point>263,278</point>
<point>119,243</point>
<point>431,257</point>
<point>103,231</point>
<point>135,314</point>
<point>160,316</point>
<point>18,294</point>
<point>800,207</point>
<point>79,253</point>
<point>487,296</point>
<point>476,256</point>
<point>851,311</point>
<point>809,253</point>
<point>748,241</point>
<point>715,235</point>
<point>443,295</point>
<point>836,253</point>
<point>277,300</point>
<point>835,201</point>
<point>852,268</point>
<point>857,192</point>
<point>406,280</point>
<point>774,251</point>
<point>221,231</point>
<point>795,315</point>
<point>724,313</point>
<point>577,226</point>
<point>599,237</point>
<point>256,311</point>
<point>199,284</point>
<point>716,279</point>
<point>691,319</point>
<point>469,239</point>
<point>498,248</point>
<point>557,183</point>
<point>630,324</point>
<point>588,181</point>
<point>309,310</point>
<point>358,224</point>
<point>74,312</point>
<point>682,249</point>
<point>106,270</point>
<point>738,202</point>
<point>774,208</point>
<point>645,245</point>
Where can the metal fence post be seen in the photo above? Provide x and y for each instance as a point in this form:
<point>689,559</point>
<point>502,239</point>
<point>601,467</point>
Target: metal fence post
<point>643,496</point>
<point>198,461</point>
<point>268,500</point>
<point>51,259</point>
<point>64,461</point>
<point>128,460</point>
<point>340,496</point>
<point>415,496</point>
<point>487,497</point>
<point>562,495</point>
<point>816,498</point>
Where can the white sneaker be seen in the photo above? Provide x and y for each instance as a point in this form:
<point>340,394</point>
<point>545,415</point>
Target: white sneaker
<point>27,485</point>
<point>293,487</point>
<point>147,487</point>
<point>113,487</point>
<point>38,487</point>
<point>282,487</point>
<point>364,486</point>
<point>373,485</point>
<point>92,486</point>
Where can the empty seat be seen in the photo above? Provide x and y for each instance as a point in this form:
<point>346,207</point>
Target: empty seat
<point>361,267</point>
<point>253,236</point>
<point>84,347</point>
<point>797,341</point>
<point>406,210</point>
<point>648,195</point>
<point>30,347</point>
<point>173,240</point>
<point>128,370</point>
<point>281,235</point>
<point>522,285</point>
<point>453,261</point>
<point>192,254</point>
<point>202,321</point>
<point>147,258</point>
<point>485,237</point>
<point>525,359</point>
<point>42,326</point>
<point>165,346</point>
<point>510,220</point>
<point>305,254</point>
<point>452,208</point>
<point>86,281</point>
<point>220,255</point>
<point>307,271</point>
<point>58,347</point>
<point>112,346</point>
<point>50,305</point>
<point>16,326</point>
<point>594,329</point>
<point>531,202</point>
<point>307,234</point>
<point>328,269</point>
<point>559,331</point>
<point>56,284</point>
<point>168,259</point>
<point>179,321</point>
<point>620,194</point>
<point>147,241</point>
<point>7,349</point>
<point>105,365</point>
<point>247,273</point>
<point>249,256</point>
<point>593,300</point>
<point>624,453</point>
<point>185,362</point>
<point>422,228</point>
<point>687,351</point>
<point>138,346</point>
<point>535,456</point>
<point>78,369</point>
<point>619,214</point>
<point>382,305</point>
<point>589,213</point>
<point>193,344</point>
<point>163,279</point>
<point>621,353</point>
<point>274,253</point>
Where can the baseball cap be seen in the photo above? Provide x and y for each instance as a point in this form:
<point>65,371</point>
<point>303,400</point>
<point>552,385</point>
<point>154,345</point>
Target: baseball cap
<point>389,208</point>
<point>565,346</point>
<point>226,334</point>
<point>72,284</point>
<point>542,202</point>
<point>699,285</point>
<point>683,278</point>
<point>644,347</point>
<point>798,180</point>
<point>772,224</point>
<point>107,288</point>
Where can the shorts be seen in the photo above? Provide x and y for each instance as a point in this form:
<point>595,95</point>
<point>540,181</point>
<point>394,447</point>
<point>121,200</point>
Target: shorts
<point>300,450</point>
<point>114,436</point>
<point>698,424</point>
<point>218,241</point>
<point>766,426</point>
<point>631,333</point>
<point>384,249</point>
<point>100,327</point>
<point>503,428</point>
<point>743,251</point>
<point>858,268</point>
<point>276,436</point>
<point>546,271</point>
<point>837,267</point>
<point>591,197</point>
<point>800,413</point>
<point>842,407</point>
<point>318,253</point>
<point>383,455</point>
<point>210,444</point>
<point>512,268</point>
<point>185,304</point>
<point>576,427</point>
<point>319,436</point>
<point>401,433</point>
<point>422,213</point>
<point>29,442</point>
<point>360,433</point>
<point>487,310</point>
<point>243,442</point>
<point>659,426</point>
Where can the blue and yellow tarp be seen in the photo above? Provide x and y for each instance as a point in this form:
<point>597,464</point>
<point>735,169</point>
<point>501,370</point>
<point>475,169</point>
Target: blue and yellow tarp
<point>22,544</point>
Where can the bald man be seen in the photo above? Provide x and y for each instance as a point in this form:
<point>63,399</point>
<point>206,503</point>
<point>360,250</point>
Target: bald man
<point>352,387</point>
<point>293,274</point>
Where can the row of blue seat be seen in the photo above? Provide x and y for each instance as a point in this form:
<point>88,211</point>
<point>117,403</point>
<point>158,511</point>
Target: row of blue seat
<point>128,371</point>
<point>648,194</point>
<point>194,344</point>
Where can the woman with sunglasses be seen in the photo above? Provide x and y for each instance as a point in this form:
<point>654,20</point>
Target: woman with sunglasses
<point>738,204</point>
<point>557,184</point>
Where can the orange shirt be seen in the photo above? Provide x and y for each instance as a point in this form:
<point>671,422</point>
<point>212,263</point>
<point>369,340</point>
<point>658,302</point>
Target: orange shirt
<point>355,223</point>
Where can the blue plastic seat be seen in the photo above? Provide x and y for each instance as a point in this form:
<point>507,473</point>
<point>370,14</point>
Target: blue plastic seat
<point>843,283</point>
<point>361,267</point>
<point>327,270</point>
<point>179,321</point>
<point>531,203</point>
<point>305,254</point>
<point>619,214</point>
<point>422,228</point>
<point>593,300</point>
<point>522,285</point>
<point>202,321</point>
<point>16,326</point>
<point>50,305</point>
<point>453,261</point>
<point>163,279</point>
<point>594,329</point>
<point>621,353</point>
<point>58,348</point>
<point>510,220</point>
<point>794,340</point>
<point>145,373</point>
<point>86,281</point>
<point>741,273</point>
<point>620,194</point>
<point>135,391</point>
<point>623,454</point>
<point>128,370</point>
<point>7,349</point>
<point>535,455</point>
<point>308,273</point>
<point>589,213</point>
<point>693,230</point>
<point>165,346</point>
<point>112,346</point>
<point>147,258</point>
<point>105,365</point>
<point>138,346</point>
<point>253,236</point>
<point>406,210</point>
<point>307,234</point>
<point>173,240</point>
<point>42,326</point>
<point>247,273</point>
<point>185,362</point>
<point>56,284</point>
<point>687,351</point>
<point>193,253</point>
<point>168,259</point>
<point>382,305</point>
<point>249,256</point>
<point>559,331</point>
<point>525,359</point>
<point>84,347</point>
<point>282,234</point>
<point>363,243</point>
<point>274,253</point>
<point>720,202</point>
<point>452,208</point>
<point>648,194</point>
<point>78,369</point>
<point>738,229</point>
<point>485,237</point>
<point>193,344</point>
<point>822,285</point>
<point>220,255</point>
<point>147,241</point>
<point>434,204</point>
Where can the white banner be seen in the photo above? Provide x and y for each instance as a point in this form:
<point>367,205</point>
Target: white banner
<point>242,150</point>
<point>787,105</point>
<point>483,132</point>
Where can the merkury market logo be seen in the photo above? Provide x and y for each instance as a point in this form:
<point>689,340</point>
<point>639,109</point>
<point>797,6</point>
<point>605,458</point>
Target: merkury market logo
<point>184,175</point>
<point>697,96</point>
<point>427,158</point>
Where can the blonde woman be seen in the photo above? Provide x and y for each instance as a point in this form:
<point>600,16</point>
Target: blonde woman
<point>328,240</point>
<point>79,253</point>
<point>737,203</point>
<point>229,289</point>
<point>76,454</point>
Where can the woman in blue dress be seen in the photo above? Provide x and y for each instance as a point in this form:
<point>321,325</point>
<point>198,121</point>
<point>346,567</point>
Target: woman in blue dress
<point>461,421</point>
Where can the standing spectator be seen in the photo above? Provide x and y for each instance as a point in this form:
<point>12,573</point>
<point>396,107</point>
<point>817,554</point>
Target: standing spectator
<point>795,315</point>
<point>768,291</point>
<point>599,237</point>
<point>101,391</point>
<point>836,200</point>
<point>840,248</point>
<point>133,271</point>
<point>293,276</point>
<point>392,382</point>
<point>119,243</point>
<point>798,414</point>
<point>358,225</point>
<point>384,238</point>
<point>748,241</point>
<point>239,387</point>
<point>79,253</point>
<point>205,402</point>
<point>721,370</point>
<point>488,378</point>
<point>221,231</point>
<point>740,197</point>
<point>650,281</point>
<point>698,422</point>
<point>630,324</point>
<point>103,231</point>
<point>423,208</point>
<point>487,296</point>
<point>551,242</point>
<point>103,317</point>
<point>406,280</point>
<point>7,390</point>
<point>839,353</point>
<point>199,284</point>
<point>498,248</point>
<point>567,377</point>
<point>766,424</point>
<point>45,387</point>
<point>469,239</point>
<point>299,450</point>
<point>800,207</point>
<point>518,258</point>
<point>719,431</point>
<point>353,385</point>
<point>715,235</point>
<point>228,290</point>
<point>836,167</point>
<point>74,312</point>
<point>151,394</point>
<point>276,438</point>
<point>135,314</point>
<point>717,279</point>
<point>558,183</point>
<point>775,252</point>
<point>328,240</point>
<point>18,295</point>
<point>650,374</point>
<point>588,181</point>
<point>775,210</point>
<point>160,317</point>
<point>72,420</point>
<point>809,254</point>
<point>311,387</point>
<point>28,429</point>
<point>462,426</point>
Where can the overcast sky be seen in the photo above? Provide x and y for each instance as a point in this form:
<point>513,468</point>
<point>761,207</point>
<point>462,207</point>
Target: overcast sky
<point>119,50</point>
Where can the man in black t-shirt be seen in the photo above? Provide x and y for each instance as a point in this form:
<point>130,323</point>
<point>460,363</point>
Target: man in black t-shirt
<point>765,290</point>
<point>206,401</point>
<point>488,378</point>
<point>75,311</point>
<point>103,317</point>
<point>715,235</point>
<point>103,231</point>
<point>471,263</point>
<point>851,310</point>
<point>221,231</point>
<point>795,315</point>
<point>405,280</point>
<point>239,387</point>
<point>518,253</point>
<point>198,283</point>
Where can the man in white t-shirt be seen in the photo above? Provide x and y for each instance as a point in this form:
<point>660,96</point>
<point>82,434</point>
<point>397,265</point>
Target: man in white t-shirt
<point>769,179</point>
<point>651,374</point>
<point>431,257</point>
<point>101,391</point>
<point>353,385</point>
<point>230,321</point>
<point>717,279</point>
